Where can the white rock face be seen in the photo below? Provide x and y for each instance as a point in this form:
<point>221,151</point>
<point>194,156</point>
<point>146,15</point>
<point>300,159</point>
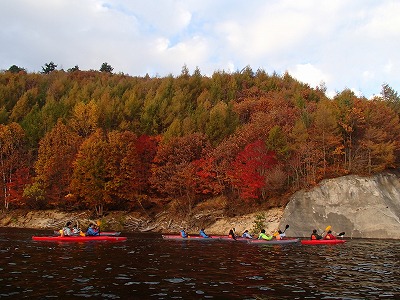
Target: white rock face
<point>363,207</point>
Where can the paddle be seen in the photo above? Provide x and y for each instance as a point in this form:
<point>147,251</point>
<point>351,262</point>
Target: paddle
<point>286,227</point>
<point>329,228</point>
<point>326,230</point>
<point>98,225</point>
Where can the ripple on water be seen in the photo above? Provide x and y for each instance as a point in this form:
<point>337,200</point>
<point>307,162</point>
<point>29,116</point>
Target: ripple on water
<point>159,270</point>
<point>82,280</point>
<point>177,280</point>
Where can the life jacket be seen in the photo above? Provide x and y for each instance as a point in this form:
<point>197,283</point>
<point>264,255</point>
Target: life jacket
<point>330,236</point>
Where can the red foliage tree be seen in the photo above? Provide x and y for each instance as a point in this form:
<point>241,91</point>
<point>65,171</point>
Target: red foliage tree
<point>249,170</point>
<point>146,148</point>
<point>205,177</point>
<point>19,180</point>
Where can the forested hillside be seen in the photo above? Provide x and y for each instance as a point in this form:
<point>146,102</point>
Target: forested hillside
<point>90,139</point>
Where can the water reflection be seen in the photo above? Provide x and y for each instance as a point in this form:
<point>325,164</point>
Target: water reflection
<point>147,267</point>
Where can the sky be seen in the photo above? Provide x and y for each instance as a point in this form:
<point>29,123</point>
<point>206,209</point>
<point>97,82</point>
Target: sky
<point>342,44</point>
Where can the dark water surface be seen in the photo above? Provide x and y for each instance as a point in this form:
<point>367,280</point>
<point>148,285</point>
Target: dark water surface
<point>148,267</point>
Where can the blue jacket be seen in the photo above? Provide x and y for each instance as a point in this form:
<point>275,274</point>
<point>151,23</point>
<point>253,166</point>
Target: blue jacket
<point>91,232</point>
<point>183,234</point>
<point>203,234</point>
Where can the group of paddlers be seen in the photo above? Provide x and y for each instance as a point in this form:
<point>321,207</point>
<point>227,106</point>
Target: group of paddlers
<point>74,230</point>
<point>278,235</point>
<point>246,234</point>
<point>326,235</point>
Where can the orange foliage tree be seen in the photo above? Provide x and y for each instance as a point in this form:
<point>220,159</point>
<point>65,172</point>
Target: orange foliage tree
<point>122,176</point>
<point>57,152</point>
<point>90,176</point>
<point>12,156</point>
<point>172,169</point>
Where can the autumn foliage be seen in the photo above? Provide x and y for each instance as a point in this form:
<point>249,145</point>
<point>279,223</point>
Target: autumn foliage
<point>87,139</point>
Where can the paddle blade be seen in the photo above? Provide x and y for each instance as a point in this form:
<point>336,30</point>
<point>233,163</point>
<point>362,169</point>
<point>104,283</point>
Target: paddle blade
<point>328,228</point>
<point>341,234</point>
<point>287,226</point>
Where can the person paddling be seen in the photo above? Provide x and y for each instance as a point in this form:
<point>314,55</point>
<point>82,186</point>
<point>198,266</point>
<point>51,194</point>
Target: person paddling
<point>232,233</point>
<point>263,236</point>
<point>183,233</point>
<point>279,235</point>
<point>329,236</point>
<point>246,235</point>
<point>67,230</point>
<point>92,231</point>
<point>315,235</point>
<point>203,234</point>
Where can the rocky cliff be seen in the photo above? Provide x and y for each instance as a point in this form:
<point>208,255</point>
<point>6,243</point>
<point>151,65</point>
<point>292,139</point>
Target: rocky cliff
<point>363,207</point>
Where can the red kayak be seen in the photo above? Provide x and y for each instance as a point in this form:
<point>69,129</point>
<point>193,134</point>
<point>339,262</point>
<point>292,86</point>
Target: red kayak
<point>109,233</point>
<point>322,242</point>
<point>79,238</point>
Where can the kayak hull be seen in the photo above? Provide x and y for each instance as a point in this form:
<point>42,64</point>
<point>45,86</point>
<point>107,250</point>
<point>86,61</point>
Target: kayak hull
<point>273,241</point>
<point>227,238</point>
<point>190,237</point>
<point>322,242</point>
<point>79,238</point>
<point>105,233</point>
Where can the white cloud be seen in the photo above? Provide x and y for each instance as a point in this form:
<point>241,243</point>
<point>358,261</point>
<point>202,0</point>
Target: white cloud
<point>345,44</point>
<point>310,74</point>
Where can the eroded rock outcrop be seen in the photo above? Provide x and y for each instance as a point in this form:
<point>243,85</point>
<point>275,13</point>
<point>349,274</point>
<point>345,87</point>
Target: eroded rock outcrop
<point>363,207</point>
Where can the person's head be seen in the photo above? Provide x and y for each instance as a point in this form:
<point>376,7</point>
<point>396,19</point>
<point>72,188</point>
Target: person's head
<point>279,231</point>
<point>69,223</point>
<point>202,229</point>
<point>330,231</point>
<point>246,230</point>
<point>91,225</point>
<point>314,231</point>
<point>262,230</point>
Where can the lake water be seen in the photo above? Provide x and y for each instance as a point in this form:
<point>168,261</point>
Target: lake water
<point>148,267</point>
